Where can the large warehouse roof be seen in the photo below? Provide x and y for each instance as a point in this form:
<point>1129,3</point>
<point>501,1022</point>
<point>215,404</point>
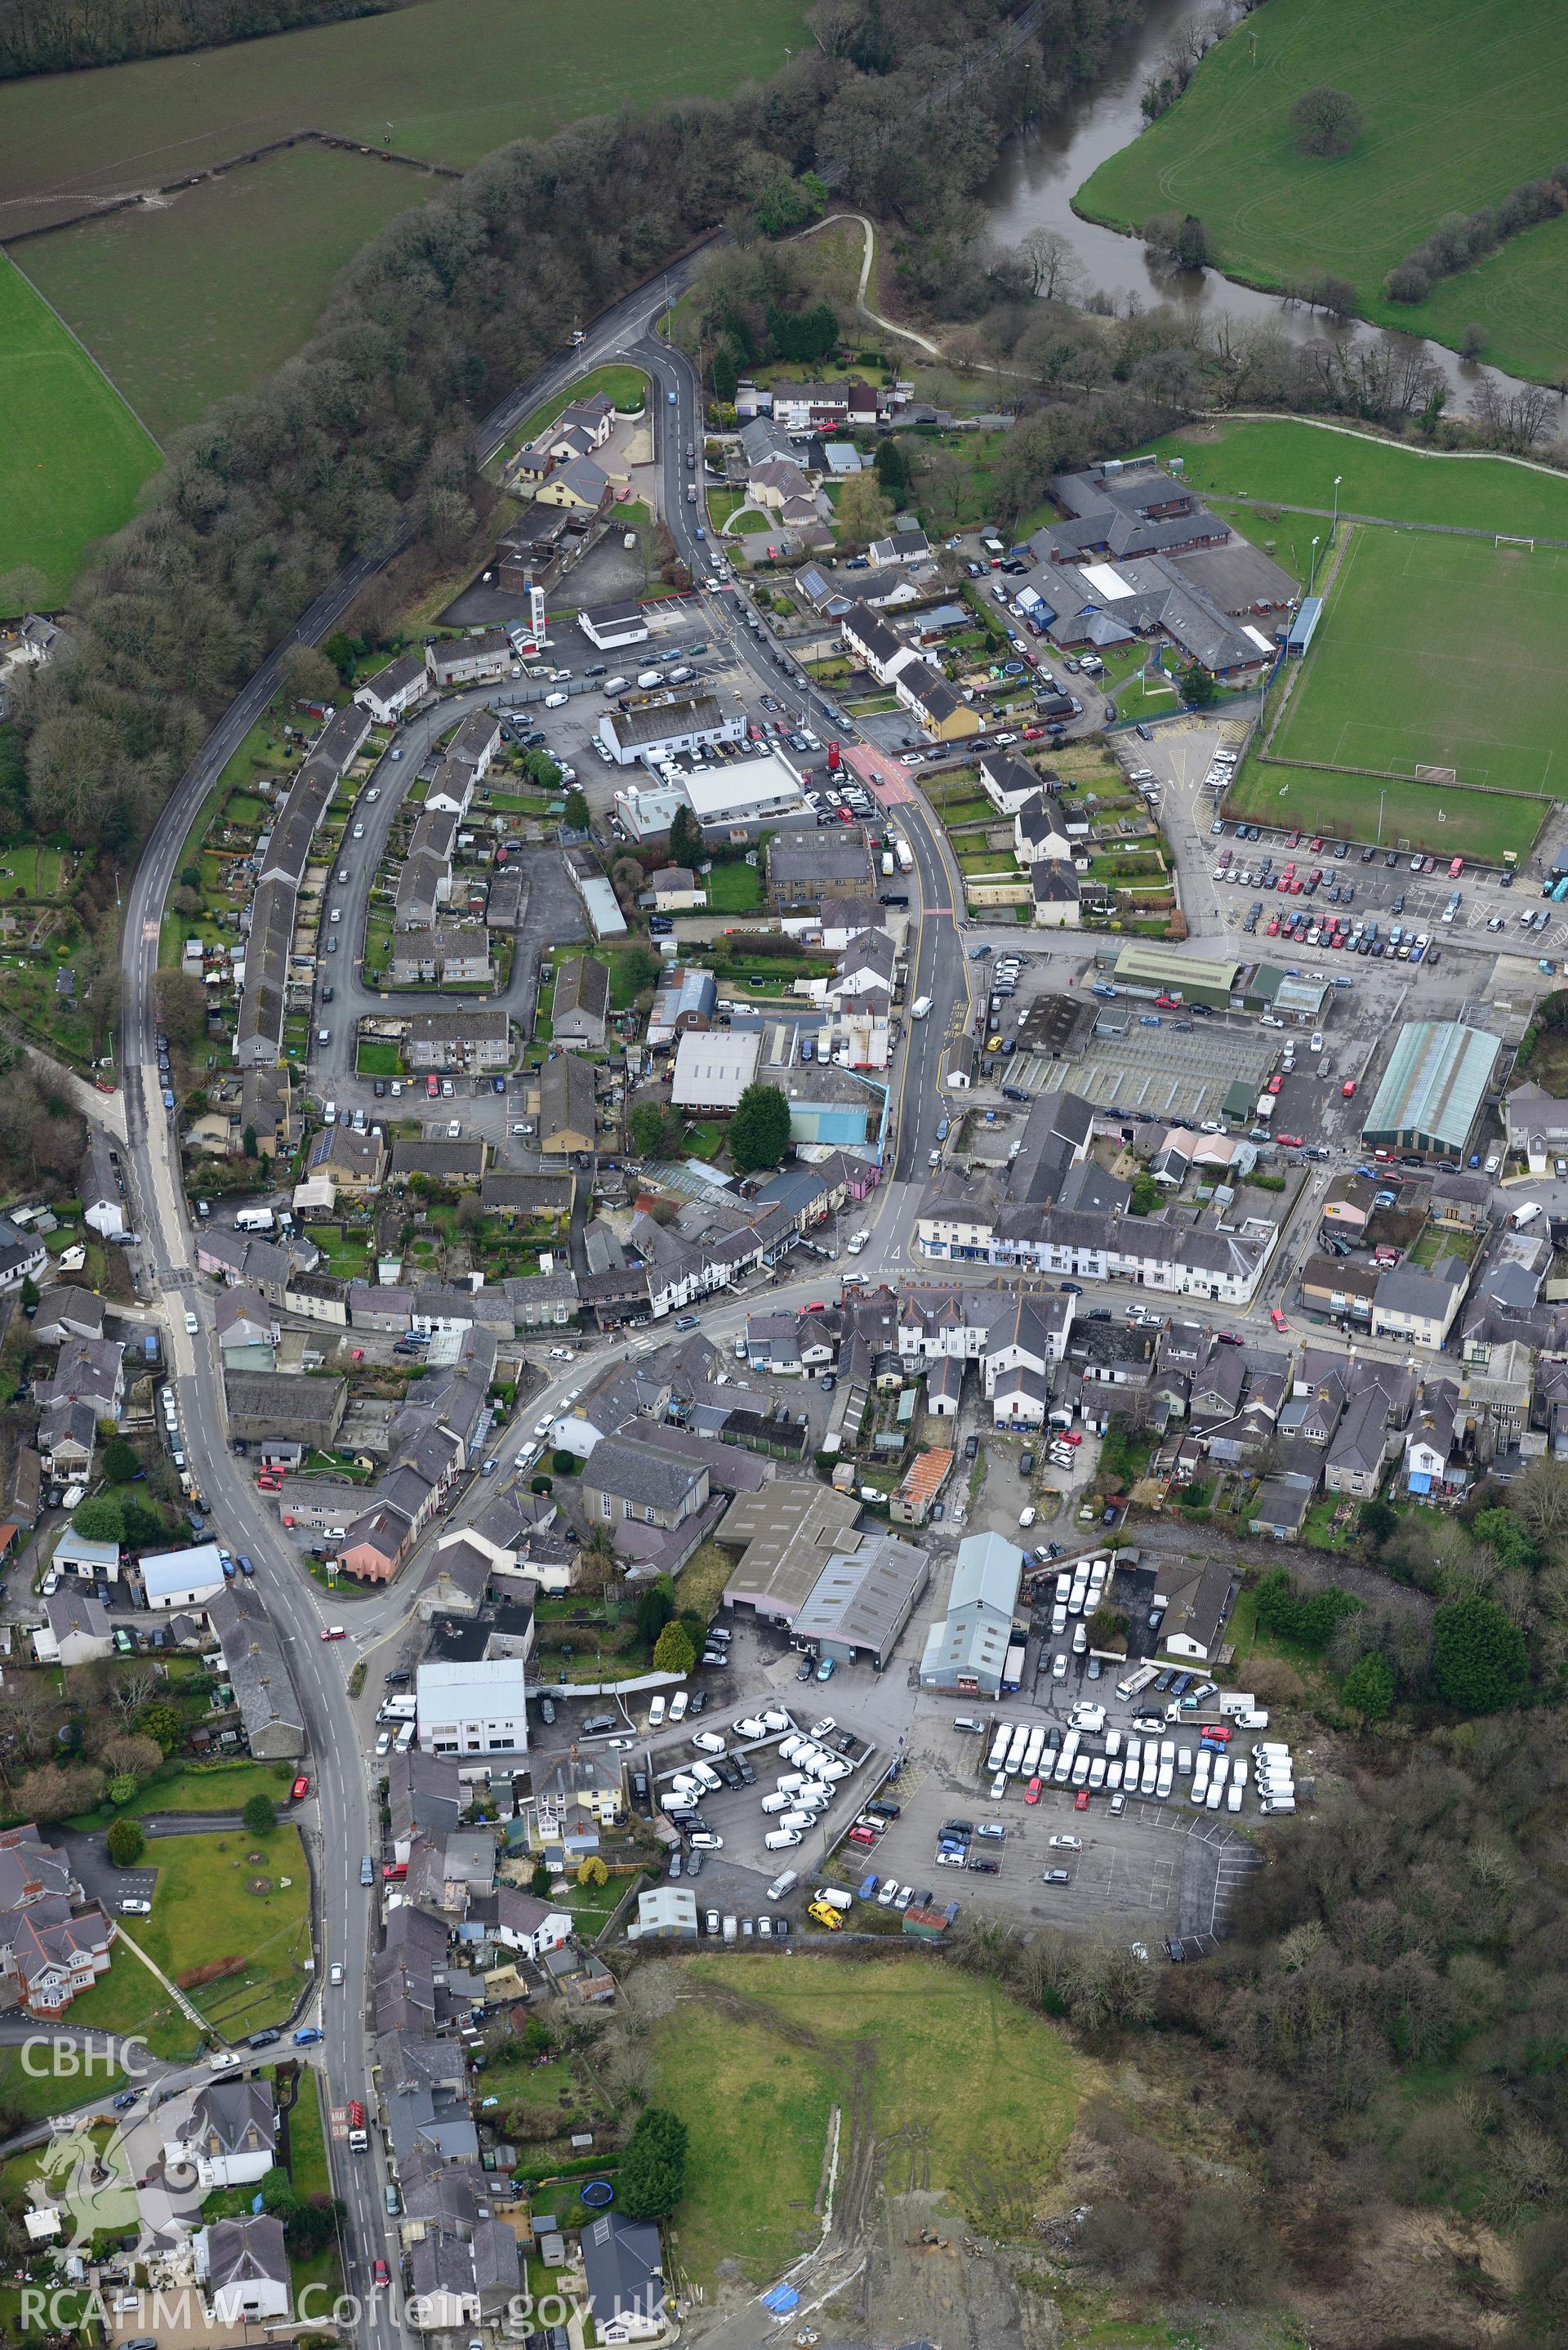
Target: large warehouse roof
<point>1434,1084</point>
<point>1167,967</point>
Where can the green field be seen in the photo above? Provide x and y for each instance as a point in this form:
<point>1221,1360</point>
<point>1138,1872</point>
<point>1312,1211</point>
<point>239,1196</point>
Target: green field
<point>1462,103</point>
<point>1456,823</point>
<point>229,277</point>
<point>755,2065</point>
<point>454,79</point>
<point>1440,653</point>
<point>72,457</point>
<point>1291,463</point>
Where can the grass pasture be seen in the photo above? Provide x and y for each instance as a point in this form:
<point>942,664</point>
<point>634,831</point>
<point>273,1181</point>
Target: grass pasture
<point>755,2065</point>
<point>230,277</point>
<point>1293,465</point>
<point>1439,652</point>
<point>72,458</point>
<point>454,79</point>
<point>1462,100</point>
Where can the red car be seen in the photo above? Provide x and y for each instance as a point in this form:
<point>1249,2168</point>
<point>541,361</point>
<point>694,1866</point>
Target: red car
<point>1289,1141</point>
<point>1032,1793</point>
<point>1277,1319</point>
<point>1275,1084</point>
<point>862,1835</point>
<point>392,1871</point>
<point>1071,1436</point>
<point>1081,1800</point>
<point>1168,1002</point>
<point>432,1088</point>
<point>1348,1088</point>
<point>300,1789</point>
<point>819,1308</point>
<point>333,1632</point>
<point>1220,1730</point>
<point>1316,840</point>
<point>1294,841</point>
<point>380,2273</point>
<point>1273,930</point>
<point>1034,733</point>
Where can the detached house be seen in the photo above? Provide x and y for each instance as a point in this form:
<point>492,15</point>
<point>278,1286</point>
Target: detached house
<point>228,2134</point>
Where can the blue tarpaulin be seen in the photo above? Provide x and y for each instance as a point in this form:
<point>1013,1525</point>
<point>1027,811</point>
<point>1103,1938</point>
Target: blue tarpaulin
<point>781,2300</point>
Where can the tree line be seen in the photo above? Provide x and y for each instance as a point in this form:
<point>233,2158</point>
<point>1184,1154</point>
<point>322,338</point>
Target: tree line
<point>39,36</point>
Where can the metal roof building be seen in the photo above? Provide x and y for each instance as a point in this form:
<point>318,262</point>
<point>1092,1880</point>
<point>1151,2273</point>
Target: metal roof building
<point>1198,979</point>
<point>1434,1086</point>
<point>966,1650</point>
<point>862,1600</point>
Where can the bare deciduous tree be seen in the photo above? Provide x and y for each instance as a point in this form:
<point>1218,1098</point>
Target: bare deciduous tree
<point>1052,266</point>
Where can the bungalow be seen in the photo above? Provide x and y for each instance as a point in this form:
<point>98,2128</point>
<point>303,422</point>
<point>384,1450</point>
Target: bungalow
<point>611,626</point>
<point>75,1630</point>
<point>623,2271</point>
<point>901,547</point>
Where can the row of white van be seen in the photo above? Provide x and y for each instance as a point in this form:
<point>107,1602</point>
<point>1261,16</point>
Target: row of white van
<point>1150,1767</point>
<point>1079,1587</point>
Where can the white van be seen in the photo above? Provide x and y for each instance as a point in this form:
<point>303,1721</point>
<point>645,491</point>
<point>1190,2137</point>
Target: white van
<point>650,677</point>
<point>773,1720</point>
<point>1525,1215</point>
<point>706,1777</point>
<point>656,1711</point>
<point>780,1802</point>
<point>678,1705</point>
<point>1278,1804</point>
<point>921,1007</point>
<point>556,700</point>
<point>613,685</point>
<point>781,1839</point>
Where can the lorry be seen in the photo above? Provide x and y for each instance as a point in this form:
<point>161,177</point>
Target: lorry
<point>1136,1680</point>
<point>254,1220</point>
<point>1265,1109</point>
<point>358,2140</point>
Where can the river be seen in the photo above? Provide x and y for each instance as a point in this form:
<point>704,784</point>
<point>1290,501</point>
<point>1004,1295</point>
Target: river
<point>1043,167</point>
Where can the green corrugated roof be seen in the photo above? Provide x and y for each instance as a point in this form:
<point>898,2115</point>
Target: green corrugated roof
<point>1164,967</point>
<point>1435,1082</point>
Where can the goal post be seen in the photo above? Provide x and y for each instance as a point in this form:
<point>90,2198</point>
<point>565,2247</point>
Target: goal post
<point>1521,545</point>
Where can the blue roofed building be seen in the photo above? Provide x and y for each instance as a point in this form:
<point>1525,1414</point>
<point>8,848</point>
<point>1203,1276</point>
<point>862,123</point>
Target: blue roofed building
<point>966,1650</point>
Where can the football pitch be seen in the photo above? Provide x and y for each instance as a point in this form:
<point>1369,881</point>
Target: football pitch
<point>1439,652</point>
